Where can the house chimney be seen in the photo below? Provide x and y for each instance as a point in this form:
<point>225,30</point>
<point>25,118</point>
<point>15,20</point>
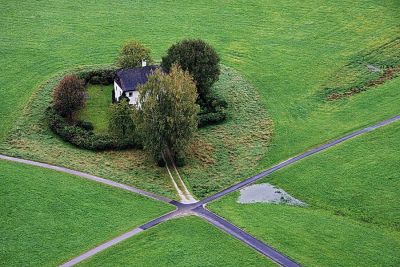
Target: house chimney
<point>144,63</point>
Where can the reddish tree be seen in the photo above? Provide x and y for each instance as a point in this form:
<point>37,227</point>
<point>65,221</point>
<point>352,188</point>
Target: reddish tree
<point>69,97</point>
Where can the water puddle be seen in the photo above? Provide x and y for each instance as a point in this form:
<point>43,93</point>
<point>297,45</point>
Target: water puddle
<point>267,193</point>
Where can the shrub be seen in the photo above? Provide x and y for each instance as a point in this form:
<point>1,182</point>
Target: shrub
<point>123,97</point>
<point>132,54</point>
<point>199,59</point>
<point>69,96</point>
<point>121,123</point>
<point>211,118</point>
<point>100,76</point>
<point>85,125</point>
<point>83,138</point>
<point>212,111</point>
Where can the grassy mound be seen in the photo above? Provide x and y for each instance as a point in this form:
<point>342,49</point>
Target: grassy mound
<point>226,153</point>
<point>48,217</point>
<point>246,134</point>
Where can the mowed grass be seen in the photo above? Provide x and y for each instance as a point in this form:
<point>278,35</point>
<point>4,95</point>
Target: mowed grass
<point>359,178</point>
<point>286,49</point>
<point>97,107</point>
<point>48,217</point>
<point>353,218</point>
<point>314,237</point>
<point>187,241</point>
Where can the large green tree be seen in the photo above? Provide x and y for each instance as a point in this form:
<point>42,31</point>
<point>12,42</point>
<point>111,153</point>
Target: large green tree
<point>132,54</point>
<point>166,113</point>
<point>199,59</point>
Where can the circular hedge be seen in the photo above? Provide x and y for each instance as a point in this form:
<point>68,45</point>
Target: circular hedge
<point>80,133</point>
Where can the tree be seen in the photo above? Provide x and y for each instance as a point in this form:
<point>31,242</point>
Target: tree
<point>121,123</point>
<point>167,113</point>
<point>132,54</point>
<point>199,59</point>
<point>69,97</point>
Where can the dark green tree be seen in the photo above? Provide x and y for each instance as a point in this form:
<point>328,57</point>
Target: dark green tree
<point>199,59</point>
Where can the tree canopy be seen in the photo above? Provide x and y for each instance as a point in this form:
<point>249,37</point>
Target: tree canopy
<point>167,113</point>
<point>132,54</point>
<point>69,96</point>
<point>199,59</point>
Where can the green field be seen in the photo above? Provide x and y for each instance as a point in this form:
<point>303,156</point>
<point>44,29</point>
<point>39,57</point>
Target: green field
<point>282,55</point>
<point>48,217</point>
<point>97,106</point>
<point>182,242</point>
<point>353,218</point>
<point>286,49</point>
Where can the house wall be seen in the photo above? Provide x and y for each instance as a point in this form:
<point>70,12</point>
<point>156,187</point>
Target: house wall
<point>118,91</point>
<point>133,96</point>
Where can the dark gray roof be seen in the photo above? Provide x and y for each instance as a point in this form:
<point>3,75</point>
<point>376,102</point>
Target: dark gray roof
<point>130,79</point>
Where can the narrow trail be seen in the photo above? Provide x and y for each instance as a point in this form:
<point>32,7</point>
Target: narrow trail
<point>176,179</point>
<point>198,208</point>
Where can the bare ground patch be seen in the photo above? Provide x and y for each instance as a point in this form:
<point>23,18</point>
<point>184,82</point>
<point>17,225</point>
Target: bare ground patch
<point>365,71</point>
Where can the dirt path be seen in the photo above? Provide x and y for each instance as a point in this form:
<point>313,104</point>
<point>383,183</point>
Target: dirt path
<point>176,179</point>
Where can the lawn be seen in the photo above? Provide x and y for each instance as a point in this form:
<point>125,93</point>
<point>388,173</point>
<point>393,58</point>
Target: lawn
<point>353,218</point>
<point>314,237</point>
<point>97,106</point>
<point>359,179</point>
<point>48,217</point>
<point>187,241</point>
<point>287,50</point>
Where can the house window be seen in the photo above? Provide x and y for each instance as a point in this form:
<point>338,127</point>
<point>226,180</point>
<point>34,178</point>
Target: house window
<point>130,93</point>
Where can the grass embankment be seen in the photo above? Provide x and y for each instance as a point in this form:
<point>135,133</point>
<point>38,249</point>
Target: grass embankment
<point>187,241</point>
<point>245,139</point>
<point>48,217</point>
<point>97,106</point>
<point>353,218</point>
<point>286,49</point>
<point>225,153</point>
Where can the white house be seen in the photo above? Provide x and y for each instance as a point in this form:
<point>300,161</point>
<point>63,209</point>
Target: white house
<point>126,81</point>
